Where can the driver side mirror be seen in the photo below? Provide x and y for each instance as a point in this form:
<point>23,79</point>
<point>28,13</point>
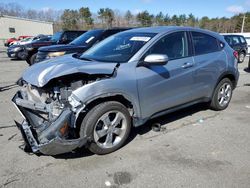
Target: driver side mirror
<point>156,59</point>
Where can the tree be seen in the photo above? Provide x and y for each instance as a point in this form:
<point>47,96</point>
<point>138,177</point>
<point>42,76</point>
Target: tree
<point>204,22</point>
<point>128,17</point>
<point>183,19</point>
<point>70,19</point>
<point>107,16</point>
<point>159,19</point>
<point>191,20</point>
<point>86,15</point>
<point>144,18</point>
<point>167,19</point>
<point>175,20</point>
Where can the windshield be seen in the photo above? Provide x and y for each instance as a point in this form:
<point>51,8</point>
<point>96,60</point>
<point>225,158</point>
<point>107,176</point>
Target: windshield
<point>118,48</point>
<point>56,36</point>
<point>87,38</point>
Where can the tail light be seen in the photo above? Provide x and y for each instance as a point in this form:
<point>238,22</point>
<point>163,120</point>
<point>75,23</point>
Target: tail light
<point>236,54</point>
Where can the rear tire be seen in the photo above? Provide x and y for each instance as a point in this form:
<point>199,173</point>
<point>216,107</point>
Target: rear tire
<point>222,95</point>
<point>242,56</point>
<point>107,125</point>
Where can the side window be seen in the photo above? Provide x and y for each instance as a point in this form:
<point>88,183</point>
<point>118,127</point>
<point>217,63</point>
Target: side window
<point>174,45</point>
<point>71,35</point>
<point>242,40</point>
<point>235,40</point>
<point>204,43</point>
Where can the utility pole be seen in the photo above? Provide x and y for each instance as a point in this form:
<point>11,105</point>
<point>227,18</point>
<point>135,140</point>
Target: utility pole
<point>243,23</point>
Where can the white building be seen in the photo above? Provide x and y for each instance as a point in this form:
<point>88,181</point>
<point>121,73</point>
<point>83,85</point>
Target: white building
<point>13,27</point>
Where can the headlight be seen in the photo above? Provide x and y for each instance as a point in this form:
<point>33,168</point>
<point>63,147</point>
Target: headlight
<point>55,54</point>
<point>17,49</point>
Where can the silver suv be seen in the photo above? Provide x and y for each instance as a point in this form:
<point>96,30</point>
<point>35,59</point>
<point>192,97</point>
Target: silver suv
<point>94,99</point>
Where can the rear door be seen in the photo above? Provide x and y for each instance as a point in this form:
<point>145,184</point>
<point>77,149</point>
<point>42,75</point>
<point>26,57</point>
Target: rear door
<point>210,60</point>
<point>165,86</point>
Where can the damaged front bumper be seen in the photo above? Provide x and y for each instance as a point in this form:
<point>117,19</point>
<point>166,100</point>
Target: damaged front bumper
<point>45,137</point>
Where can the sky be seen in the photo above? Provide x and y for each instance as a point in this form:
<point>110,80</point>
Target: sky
<point>200,8</point>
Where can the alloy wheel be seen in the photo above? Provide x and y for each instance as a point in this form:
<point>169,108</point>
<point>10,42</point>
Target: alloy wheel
<point>224,94</point>
<point>110,129</point>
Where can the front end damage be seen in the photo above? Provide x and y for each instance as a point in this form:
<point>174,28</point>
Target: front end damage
<point>50,115</point>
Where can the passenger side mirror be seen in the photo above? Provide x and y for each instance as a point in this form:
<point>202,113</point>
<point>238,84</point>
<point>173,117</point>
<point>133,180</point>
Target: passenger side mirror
<point>156,59</point>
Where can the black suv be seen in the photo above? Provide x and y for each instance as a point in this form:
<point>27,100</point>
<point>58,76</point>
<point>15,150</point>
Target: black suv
<point>29,51</point>
<point>239,44</point>
<point>79,45</point>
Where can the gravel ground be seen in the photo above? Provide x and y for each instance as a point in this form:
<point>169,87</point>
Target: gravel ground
<point>196,147</point>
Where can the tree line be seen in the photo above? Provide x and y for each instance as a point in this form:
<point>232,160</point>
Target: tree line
<point>83,18</point>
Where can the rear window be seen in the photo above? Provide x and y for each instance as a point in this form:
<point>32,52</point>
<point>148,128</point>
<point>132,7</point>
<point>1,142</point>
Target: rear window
<point>204,43</point>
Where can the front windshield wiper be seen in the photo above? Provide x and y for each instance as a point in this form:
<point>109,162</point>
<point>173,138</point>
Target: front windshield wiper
<point>86,59</point>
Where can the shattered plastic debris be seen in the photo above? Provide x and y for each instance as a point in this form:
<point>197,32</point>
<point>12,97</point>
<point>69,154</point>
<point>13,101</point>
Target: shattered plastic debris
<point>107,183</point>
<point>201,120</point>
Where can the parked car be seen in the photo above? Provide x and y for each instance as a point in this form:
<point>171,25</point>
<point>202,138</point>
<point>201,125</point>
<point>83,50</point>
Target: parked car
<point>79,45</point>
<point>239,44</point>
<point>125,80</point>
<point>26,50</point>
<point>13,39</point>
<point>22,42</point>
<point>28,40</point>
<point>63,37</point>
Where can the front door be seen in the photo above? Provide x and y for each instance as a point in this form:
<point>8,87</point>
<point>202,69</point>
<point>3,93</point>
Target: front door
<point>165,86</point>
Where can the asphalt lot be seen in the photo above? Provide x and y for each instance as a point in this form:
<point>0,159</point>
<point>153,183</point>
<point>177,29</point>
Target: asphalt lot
<point>196,147</point>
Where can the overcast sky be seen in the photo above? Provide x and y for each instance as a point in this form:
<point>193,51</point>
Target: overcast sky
<point>210,8</point>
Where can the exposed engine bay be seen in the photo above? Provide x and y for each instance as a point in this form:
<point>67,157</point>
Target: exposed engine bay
<point>50,112</point>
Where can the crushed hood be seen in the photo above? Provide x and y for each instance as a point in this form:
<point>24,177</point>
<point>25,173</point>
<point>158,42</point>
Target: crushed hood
<point>41,73</point>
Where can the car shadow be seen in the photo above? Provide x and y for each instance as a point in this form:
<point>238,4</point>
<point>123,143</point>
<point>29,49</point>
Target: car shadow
<point>142,130</point>
<point>8,87</point>
<point>13,59</point>
<point>77,153</point>
<point>164,120</point>
<point>247,70</point>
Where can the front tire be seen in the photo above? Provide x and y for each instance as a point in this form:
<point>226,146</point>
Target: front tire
<point>32,59</point>
<point>107,125</point>
<point>222,95</point>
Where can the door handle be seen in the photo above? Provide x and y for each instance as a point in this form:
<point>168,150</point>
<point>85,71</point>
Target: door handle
<point>187,65</point>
